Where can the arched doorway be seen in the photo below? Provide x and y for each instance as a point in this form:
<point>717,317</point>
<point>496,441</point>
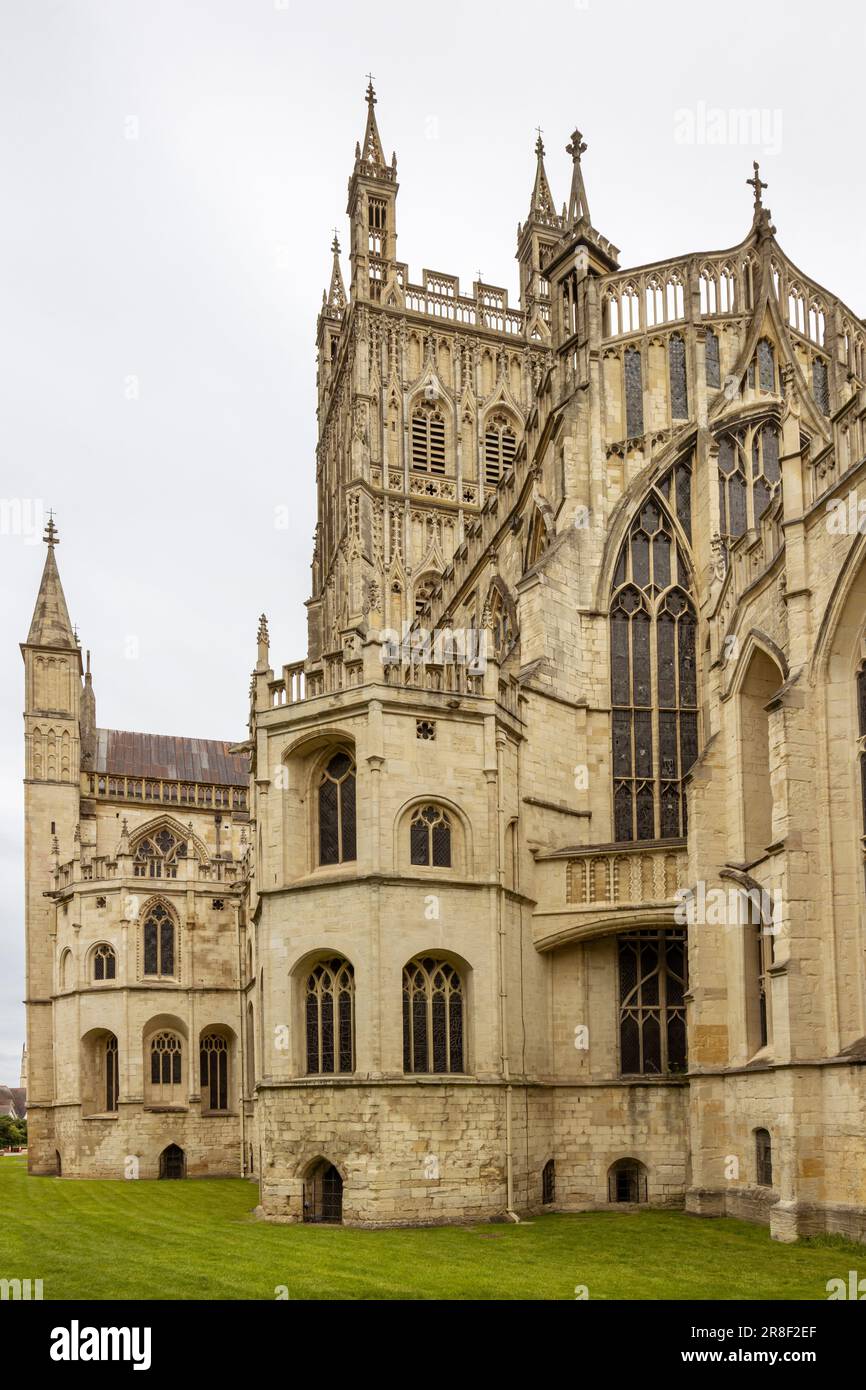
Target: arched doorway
<point>172,1162</point>
<point>59,1163</point>
<point>323,1194</point>
<point>627,1181</point>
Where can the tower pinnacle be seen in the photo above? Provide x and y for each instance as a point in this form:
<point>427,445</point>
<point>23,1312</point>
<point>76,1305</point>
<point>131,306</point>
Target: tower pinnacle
<point>369,155</point>
<point>578,207</point>
<point>541,206</point>
<point>336,297</point>
<point>50,626</point>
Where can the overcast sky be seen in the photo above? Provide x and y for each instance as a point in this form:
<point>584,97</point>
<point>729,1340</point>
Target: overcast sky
<point>171,173</point>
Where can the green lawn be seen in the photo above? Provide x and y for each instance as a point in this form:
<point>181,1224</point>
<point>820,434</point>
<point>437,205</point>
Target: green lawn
<point>180,1240</point>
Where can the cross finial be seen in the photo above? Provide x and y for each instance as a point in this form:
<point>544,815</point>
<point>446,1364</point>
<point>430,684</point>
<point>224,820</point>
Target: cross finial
<point>576,147</point>
<point>756,183</point>
<point>371,95</point>
<point>335,244</point>
<point>480,274</point>
<point>539,144</point>
<point>51,537</point>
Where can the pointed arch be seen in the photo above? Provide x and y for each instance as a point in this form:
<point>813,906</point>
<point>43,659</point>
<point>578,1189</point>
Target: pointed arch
<point>425,587</point>
<point>500,617</point>
<point>159,844</point>
<point>767,322</point>
<point>158,940</point>
<point>540,532</point>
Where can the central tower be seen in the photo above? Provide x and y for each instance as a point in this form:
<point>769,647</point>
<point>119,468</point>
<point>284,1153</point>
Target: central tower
<point>423,392</point>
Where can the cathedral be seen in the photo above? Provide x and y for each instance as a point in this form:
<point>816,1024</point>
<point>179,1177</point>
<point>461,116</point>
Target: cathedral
<point>538,883</point>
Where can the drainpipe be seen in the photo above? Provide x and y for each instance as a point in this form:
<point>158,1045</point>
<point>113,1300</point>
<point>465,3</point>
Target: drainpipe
<point>242,1059</point>
<point>510,1213</point>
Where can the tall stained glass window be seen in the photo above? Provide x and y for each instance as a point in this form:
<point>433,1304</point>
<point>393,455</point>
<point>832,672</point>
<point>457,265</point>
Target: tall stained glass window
<point>653,680</point>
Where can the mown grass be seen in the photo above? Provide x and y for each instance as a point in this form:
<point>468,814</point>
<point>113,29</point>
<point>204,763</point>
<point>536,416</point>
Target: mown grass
<point>199,1240</point>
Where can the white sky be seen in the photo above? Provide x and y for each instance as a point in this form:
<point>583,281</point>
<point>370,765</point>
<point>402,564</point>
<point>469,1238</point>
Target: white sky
<point>193,258</point>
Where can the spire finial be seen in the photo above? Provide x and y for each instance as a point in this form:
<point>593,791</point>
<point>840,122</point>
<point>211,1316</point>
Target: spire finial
<point>335,244</point>
<point>541,206</point>
<point>756,183</point>
<point>576,147</point>
<point>263,640</point>
<point>369,153</point>
<point>578,208</point>
<point>51,538</point>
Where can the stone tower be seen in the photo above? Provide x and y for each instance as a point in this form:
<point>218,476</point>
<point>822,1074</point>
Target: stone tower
<point>422,396</point>
<point>52,712</point>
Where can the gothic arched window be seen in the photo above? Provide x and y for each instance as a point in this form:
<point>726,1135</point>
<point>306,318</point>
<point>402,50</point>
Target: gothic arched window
<point>732,488</point>
<point>166,1069</point>
<point>158,934</point>
<point>104,963</point>
<point>653,681</point>
<point>821,385</point>
<point>677,368</point>
<point>214,1071</point>
<point>329,1009</point>
<point>766,470</point>
<point>711,357</point>
<point>766,366</point>
<point>432,1017</point>
<point>500,446</point>
<point>497,619</point>
<point>428,440</point>
<point>157,855</point>
<point>337,810</point>
<point>112,1073</point>
<point>653,975</point>
<point>633,393</point>
<point>744,496</point>
<point>760,1004</point>
<point>430,837</point>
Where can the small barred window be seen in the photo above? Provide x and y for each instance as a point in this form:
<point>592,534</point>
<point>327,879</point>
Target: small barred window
<point>763,1158</point>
